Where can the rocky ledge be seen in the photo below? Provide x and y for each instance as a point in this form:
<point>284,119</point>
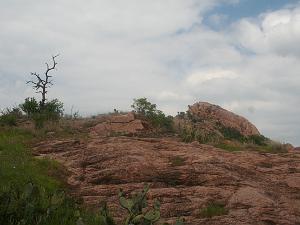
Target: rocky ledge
<point>254,188</point>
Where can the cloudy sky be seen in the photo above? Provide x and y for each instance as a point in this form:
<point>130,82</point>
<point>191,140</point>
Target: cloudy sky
<point>243,55</point>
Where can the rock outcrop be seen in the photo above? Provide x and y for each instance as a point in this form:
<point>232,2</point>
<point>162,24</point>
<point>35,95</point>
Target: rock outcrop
<point>213,114</point>
<point>256,188</point>
<point>118,124</point>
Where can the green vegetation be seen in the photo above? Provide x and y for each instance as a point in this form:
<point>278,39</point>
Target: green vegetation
<point>36,205</point>
<point>258,140</point>
<point>27,192</point>
<point>232,134</point>
<point>49,111</point>
<point>229,147</point>
<point>177,161</point>
<point>190,134</point>
<point>229,139</point>
<point>30,107</point>
<point>268,146</point>
<point>135,206</point>
<point>213,209</point>
<point>10,117</point>
<point>18,167</point>
<point>156,117</point>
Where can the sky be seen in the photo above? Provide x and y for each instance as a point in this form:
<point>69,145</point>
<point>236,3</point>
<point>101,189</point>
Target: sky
<point>243,55</point>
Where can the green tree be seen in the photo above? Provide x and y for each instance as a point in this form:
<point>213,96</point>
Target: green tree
<point>30,106</point>
<point>156,117</point>
<point>144,107</point>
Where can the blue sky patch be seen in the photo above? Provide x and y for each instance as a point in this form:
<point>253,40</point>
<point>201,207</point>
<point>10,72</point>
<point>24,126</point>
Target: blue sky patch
<point>227,13</point>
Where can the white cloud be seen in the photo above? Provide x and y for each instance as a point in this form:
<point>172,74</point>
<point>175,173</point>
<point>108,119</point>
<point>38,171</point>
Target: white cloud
<point>201,77</point>
<point>275,32</point>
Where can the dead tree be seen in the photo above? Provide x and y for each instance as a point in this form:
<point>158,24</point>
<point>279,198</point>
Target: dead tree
<point>42,84</point>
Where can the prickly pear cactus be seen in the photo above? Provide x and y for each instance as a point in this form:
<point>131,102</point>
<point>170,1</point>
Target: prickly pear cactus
<point>135,206</point>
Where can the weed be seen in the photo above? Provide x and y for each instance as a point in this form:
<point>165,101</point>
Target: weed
<point>177,161</point>
<point>229,147</point>
<point>213,209</point>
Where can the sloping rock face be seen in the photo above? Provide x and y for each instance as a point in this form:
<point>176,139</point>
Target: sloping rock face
<point>203,111</point>
<point>118,124</point>
<point>256,188</point>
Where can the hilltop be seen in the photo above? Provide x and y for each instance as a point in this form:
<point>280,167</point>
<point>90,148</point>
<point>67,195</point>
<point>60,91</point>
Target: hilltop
<point>206,165</point>
<point>248,179</point>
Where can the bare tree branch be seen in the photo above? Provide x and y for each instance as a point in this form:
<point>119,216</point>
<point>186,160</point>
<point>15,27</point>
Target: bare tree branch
<point>42,84</point>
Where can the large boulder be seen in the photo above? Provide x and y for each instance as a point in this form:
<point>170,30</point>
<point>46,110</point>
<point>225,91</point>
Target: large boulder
<point>214,114</point>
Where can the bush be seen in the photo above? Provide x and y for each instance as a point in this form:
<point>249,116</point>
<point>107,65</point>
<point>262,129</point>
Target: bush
<point>190,134</point>
<point>50,111</point>
<point>30,107</point>
<point>156,117</point>
<point>232,134</point>
<point>257,140</point>
<point>8,119</point>
<point>34,205</point>
<point>10,116</point>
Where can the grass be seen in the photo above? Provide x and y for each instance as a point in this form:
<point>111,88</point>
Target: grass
<point>229,147</point>
<point>18,167</point>
<point>177,161</point>
<point>33,191</point>
<point>213,209</point>
<point>268,147</point>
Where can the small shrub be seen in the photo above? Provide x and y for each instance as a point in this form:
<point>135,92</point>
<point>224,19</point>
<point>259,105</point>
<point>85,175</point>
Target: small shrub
<point>232,134</point>
<point>190,134</point>
<point>9,116</point>
<point>257,140</point>
<point>213,209</point>
<point>8,119</point>
<point>187,134</point>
